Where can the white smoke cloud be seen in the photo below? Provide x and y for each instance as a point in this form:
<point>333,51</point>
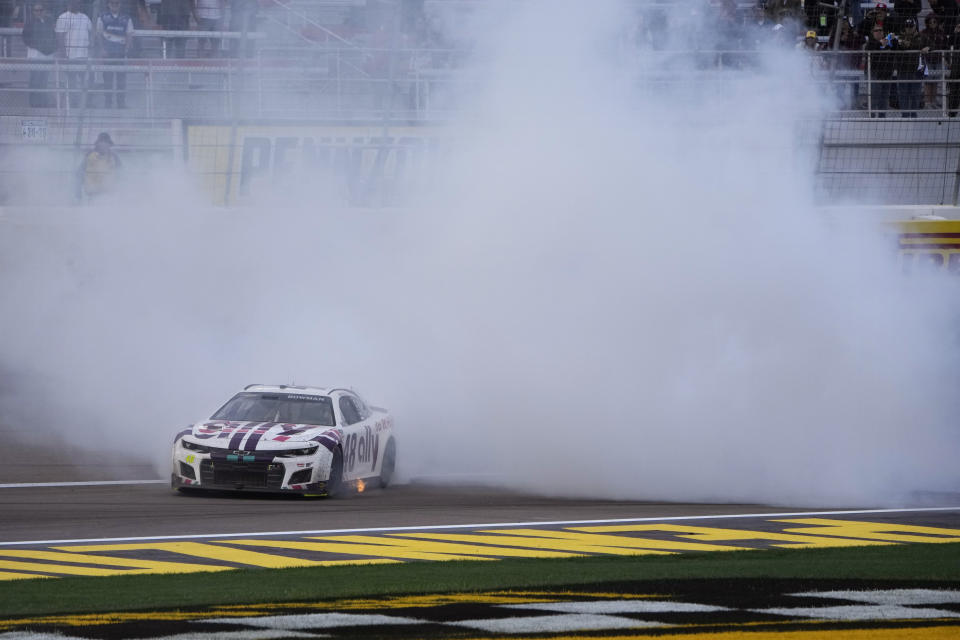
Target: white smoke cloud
<point>614,288</point>
<point>631,295</point>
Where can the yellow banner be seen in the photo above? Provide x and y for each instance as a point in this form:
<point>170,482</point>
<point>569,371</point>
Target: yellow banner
<point>929,244</point>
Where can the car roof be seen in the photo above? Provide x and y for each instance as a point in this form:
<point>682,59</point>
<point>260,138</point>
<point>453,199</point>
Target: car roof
<point>291,388</point>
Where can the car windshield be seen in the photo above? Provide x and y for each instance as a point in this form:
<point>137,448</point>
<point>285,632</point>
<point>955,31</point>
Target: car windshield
<point>276,407</point>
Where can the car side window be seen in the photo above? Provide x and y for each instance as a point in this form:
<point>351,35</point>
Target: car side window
<point>361,408</point>
<point>349,411</point>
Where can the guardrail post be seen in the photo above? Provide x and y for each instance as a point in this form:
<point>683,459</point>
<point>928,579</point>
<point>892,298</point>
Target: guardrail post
<point>259,85</point>
<point>946,83</point>
<point>150,93</point>
<point>956,177</point>
<point>56,84</point>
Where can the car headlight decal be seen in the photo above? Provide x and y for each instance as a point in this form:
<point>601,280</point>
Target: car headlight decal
<point>192,446</point>
<point>296,453</point>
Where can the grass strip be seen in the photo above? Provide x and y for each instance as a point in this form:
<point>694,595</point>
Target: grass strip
<point>250,586</point>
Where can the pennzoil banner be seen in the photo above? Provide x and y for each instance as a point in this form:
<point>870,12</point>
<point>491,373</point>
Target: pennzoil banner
<point>363,165</point>
<point>929,244</point>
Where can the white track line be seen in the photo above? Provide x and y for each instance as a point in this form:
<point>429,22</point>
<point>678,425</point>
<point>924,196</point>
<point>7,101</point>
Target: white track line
<point>485,525</point>
<point>90,483</point>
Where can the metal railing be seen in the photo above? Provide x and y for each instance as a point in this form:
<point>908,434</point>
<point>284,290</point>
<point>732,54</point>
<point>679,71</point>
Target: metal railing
<point>312,97</point>
<point>330,83</point>
<point>294,18</point>
<point>413,84</point>
<point>160,38</point>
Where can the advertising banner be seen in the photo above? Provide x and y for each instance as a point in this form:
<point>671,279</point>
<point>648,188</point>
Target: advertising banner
<point>363,165</point>
<point>929,244</point>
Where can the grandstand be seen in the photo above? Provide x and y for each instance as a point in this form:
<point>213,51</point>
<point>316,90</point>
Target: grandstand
<point>369,82</point>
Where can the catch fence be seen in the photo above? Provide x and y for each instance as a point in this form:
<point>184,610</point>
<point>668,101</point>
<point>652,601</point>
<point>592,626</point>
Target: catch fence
<point>364,118</point>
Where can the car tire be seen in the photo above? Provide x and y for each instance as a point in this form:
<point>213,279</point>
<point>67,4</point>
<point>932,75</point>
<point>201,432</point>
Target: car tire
<point>335,484</point>
<point>389,464</point>
<point>176,486</point>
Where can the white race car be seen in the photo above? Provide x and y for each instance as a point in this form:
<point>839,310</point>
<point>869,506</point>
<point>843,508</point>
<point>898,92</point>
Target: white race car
<point>287,438</point>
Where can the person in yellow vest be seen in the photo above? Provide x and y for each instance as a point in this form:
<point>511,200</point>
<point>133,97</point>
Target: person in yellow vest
<point>98,171</point>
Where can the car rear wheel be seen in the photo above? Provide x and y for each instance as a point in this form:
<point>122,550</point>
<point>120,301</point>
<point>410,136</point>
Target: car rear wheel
<point>389,464</point>
<point>335,481</point>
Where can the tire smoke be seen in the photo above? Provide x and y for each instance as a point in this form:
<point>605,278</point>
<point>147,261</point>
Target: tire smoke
<point>614,287</point>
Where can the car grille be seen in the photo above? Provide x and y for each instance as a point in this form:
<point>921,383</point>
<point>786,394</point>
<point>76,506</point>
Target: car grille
<point>249,475</point>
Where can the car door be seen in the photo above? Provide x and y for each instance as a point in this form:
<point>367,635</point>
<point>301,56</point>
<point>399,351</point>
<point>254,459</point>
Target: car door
<point>361,446</point>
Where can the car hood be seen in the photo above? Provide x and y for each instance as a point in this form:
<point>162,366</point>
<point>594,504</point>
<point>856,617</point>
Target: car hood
<point>261,436</point>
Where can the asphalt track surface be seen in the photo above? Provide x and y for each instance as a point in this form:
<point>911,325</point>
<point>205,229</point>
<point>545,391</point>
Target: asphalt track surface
<point>144,510</point>
<point>46,513</point>
<point>96,511</point>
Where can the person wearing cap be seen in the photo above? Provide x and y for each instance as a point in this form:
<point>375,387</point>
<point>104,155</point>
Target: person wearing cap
<point>880,67</point>
<point>910,67</point>
<point>904,10</point>
<point>874,17</point>
<point>98,171</point>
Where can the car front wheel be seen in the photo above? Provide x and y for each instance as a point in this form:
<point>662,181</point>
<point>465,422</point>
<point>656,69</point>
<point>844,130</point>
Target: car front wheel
<point>389,464</point>
<point>335,481</point>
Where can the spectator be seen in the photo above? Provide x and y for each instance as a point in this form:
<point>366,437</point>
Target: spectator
<point>809,42</point>
<point>936,39</point>
<point>175,16</point>
<point>209,17</point>
<point>243,16</point>
<point>880,66</point>
<point>876,16</point>
<point>73,38</point>
<point>114,35</point>
<point>759,29</point>
<point>98,171</point>
<point>811,45</point>
<point>910,69</point>
<point>946,11</point>
<point>849,62</point>
<point>850,40</point>
<point>904,10</point>
<point>41,41</point>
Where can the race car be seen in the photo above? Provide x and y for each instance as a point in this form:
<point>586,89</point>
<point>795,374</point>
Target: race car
<point>291,439</point>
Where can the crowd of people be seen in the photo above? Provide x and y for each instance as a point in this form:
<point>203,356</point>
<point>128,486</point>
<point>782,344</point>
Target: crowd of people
<point>905,49</point>
<point>80,30</point>
<point>905,52</point>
